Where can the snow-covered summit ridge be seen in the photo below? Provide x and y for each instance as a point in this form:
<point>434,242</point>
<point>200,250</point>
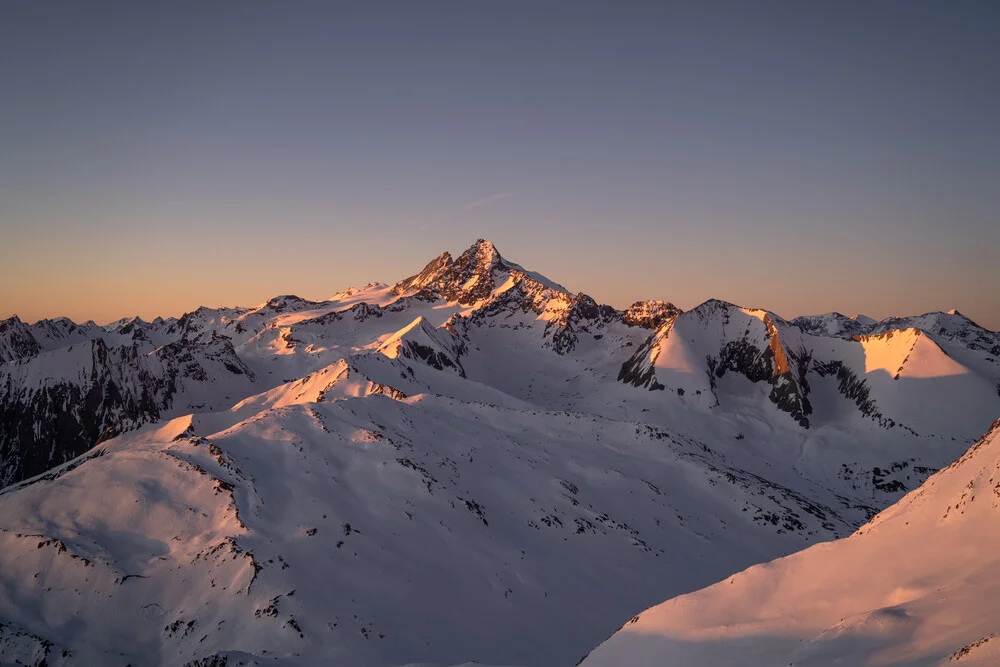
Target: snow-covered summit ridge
<point>952,325</point>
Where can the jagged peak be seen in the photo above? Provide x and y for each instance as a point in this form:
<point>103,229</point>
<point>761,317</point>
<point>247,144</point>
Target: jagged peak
<point>64,322</point>
<point>481,258</point>
<point>126,325</point>
<point>485,252</point>
<point>472,276</point>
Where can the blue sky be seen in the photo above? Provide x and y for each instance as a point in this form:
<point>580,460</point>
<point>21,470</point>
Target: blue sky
<point>793,156</point>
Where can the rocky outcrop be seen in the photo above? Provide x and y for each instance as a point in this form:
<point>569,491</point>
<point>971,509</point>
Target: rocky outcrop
<point>650,314</point>
<point>440,349</point>
<point>583,315</point>
<point>45,421</point>
<point>470,278</point>
<point>56,406</point>
<point>16,341</point>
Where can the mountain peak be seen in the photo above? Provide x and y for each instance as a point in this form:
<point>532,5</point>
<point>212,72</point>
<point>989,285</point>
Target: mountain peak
<point>484,245</point>
<point>470,277</point>
<point>483,254</point>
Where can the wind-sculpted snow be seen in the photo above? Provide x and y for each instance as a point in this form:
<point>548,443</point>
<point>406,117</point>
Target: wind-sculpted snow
<point>917,586</point>
<point>473,464</point>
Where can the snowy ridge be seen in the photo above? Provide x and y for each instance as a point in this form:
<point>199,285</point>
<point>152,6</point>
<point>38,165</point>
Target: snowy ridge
<point>917,586</point>
<point>420,342</point>
<point>696,352</point>
<point>450,489</point>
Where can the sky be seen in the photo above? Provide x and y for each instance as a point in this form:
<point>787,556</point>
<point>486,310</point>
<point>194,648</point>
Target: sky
<point>799,157</point>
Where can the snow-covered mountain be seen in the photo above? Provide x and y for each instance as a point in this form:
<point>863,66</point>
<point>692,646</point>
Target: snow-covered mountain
<point>917,586</point>
<point>473,463</point>
<point>893,372</point>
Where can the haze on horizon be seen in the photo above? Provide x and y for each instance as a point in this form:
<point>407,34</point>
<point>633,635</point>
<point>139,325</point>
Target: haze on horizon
<point>779,155</point>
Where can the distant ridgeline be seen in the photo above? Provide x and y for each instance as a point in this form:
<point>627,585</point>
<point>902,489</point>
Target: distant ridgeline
<point>65,385</point>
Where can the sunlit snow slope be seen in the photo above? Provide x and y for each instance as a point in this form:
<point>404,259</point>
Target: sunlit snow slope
<point>917,586</point>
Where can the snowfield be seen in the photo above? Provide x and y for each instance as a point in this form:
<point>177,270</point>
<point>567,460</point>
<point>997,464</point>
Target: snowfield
<point>475,464</point>
<point>917,586</point>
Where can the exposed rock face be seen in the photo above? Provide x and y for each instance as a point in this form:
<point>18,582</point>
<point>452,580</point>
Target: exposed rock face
<point>582,316</point>
<point>639,370</point>
<point>55,407</point>
<point>831,324</point>
<point>16,341</point>
<point>768,364</point>
<point>470,278</point>
<point>418,341</point>
<point>481,276</point>
<point>650,314</point>
<point>42,426</point>
<point>852,387</point>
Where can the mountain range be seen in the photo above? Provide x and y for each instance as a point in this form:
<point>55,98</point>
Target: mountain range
<point>473,463</point>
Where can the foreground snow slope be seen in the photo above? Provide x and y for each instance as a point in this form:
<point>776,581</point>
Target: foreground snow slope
<point>919,585</point>
<point>363,530</point>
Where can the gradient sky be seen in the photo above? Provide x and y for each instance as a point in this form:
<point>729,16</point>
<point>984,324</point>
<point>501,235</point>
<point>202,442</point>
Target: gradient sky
<point>797,156</point>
